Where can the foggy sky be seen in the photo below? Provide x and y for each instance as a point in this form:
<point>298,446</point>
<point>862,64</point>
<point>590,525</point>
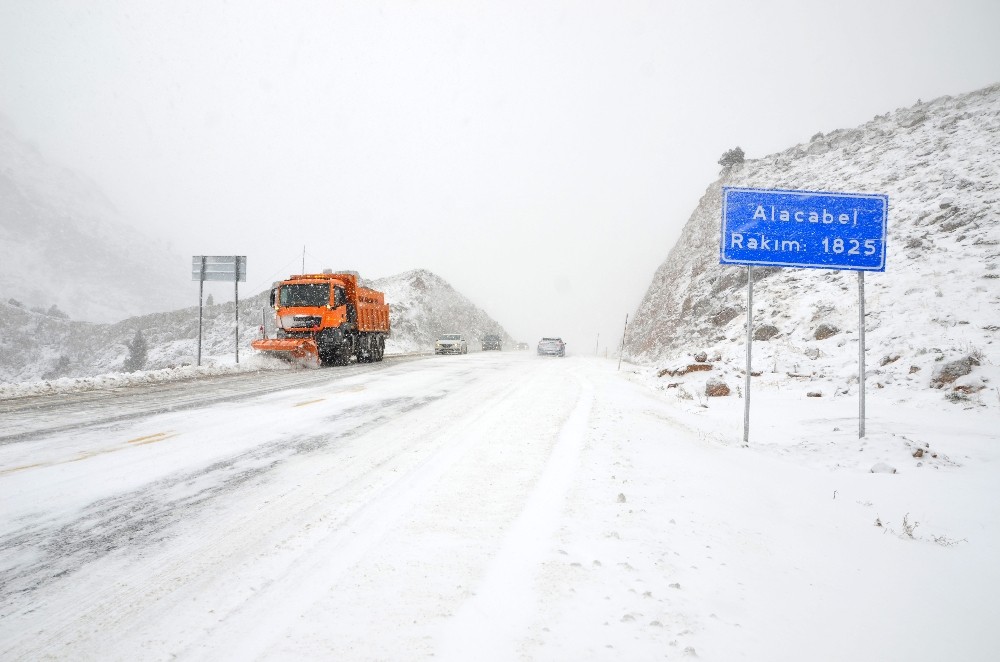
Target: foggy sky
<point>540,156</point>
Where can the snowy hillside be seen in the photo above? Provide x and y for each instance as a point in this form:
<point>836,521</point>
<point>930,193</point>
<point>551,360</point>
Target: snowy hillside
<point>933,317</point>
<point>423,306</point>
<point>65,245</point>
<point>36,346</point>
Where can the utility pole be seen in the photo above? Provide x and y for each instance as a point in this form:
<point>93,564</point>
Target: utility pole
<point>622,350</point>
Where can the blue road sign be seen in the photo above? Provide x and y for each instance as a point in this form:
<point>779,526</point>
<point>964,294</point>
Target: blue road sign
<point>809,229</point>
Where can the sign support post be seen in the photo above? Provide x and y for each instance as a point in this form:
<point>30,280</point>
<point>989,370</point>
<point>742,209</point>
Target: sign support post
<point>622,349</point>
<point>861,354</point>
<point>219,267</point>
<point>236,286</point>
<point>746,395</point>
<point>201,298</point>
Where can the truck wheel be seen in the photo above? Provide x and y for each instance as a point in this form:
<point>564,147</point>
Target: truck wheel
<point>380,348</point>
<point>365,349</point>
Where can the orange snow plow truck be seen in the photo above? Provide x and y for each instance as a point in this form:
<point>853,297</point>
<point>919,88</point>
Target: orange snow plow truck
<point>326,319</point>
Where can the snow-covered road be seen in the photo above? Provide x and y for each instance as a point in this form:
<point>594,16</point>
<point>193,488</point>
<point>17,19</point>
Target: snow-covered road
<point>31,416</point>
<point>197,531</point>
<point>495,506</point>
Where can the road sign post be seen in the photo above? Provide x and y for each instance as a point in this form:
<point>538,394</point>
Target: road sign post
<point>201,296</point>
<point>807,229</point>
<point>236,300</point>
<point>746,393</point>
<point>621,350</point>
<point>861,354</point>
<point>219,268</point>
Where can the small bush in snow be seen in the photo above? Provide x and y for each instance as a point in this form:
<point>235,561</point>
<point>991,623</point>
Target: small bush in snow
<point>137,351</point>
<point>59,369</point>
<point>54,311</point>
<point>732,157</point>
<point>909,527</point>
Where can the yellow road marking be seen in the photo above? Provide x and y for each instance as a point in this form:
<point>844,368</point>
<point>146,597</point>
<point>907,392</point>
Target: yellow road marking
<point>22,468</point>
<point>309,402</point>
<point>85,455</point>
<point>150,438</point>
<point>141,441</point>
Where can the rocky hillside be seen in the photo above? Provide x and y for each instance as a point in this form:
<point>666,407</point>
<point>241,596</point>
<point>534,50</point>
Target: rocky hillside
<point>35,345</point>
<point>65,245</point>
<point>423,306</point>
<point>938,301</point>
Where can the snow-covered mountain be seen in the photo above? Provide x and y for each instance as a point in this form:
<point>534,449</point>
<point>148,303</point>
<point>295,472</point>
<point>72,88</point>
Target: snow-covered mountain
<point>34,345</point>
<point>936,305</point>
<point>65,244</point>
<point>423,306</point>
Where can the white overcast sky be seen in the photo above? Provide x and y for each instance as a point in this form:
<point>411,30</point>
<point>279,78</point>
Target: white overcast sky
<point>540,156</point>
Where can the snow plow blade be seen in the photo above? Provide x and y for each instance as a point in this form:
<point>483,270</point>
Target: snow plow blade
<point>302,350</point>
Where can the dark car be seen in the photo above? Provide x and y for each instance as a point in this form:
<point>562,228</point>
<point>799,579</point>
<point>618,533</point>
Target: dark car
<point>551,347</point>
<point>492,341</point>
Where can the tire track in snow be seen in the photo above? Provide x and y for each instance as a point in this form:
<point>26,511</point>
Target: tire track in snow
<point>254,555</point>
<point>147,516</point>
<point>328,559</point>
<point>495,618</point>
<point>33,416</point>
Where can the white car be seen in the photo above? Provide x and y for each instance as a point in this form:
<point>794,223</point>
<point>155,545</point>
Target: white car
<point>451,343</point>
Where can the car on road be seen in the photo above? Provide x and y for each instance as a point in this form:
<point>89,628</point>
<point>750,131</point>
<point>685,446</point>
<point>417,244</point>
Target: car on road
<point>451,343</point>
<point>521,346</point>
<point>551,347</point>
<point>492,341</point>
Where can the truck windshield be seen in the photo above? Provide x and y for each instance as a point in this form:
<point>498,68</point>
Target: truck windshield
<point>312,294</point>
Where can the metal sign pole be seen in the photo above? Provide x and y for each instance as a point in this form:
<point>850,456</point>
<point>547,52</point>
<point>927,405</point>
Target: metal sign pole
<point>622,350</point>
<point>746,396</point>
<point>236,282</point>
<point>861,354</point>
<point>220,268</point>
<point>201,292</point>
